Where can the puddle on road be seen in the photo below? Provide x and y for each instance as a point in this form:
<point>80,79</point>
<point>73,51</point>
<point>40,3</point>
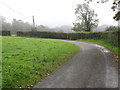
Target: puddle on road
<point>103,48</point>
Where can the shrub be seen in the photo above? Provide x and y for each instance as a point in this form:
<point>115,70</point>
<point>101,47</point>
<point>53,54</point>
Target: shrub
<point>5,33</point>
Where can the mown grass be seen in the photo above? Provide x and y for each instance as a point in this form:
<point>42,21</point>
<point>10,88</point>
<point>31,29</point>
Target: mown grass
<point>113,48</point>
<point>0,63</point>
<point>25,61</point>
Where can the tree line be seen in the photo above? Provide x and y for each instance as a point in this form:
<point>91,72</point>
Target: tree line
<point>20,25</point>
<point>16,25</point>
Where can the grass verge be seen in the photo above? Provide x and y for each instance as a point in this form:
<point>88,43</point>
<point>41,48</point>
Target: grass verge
<point>113,48</point>
<point>25,61</point>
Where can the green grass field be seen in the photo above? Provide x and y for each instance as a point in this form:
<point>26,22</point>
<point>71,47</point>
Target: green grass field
<point>25,61</point>
<point>0,63</point>
<point>113,48</point>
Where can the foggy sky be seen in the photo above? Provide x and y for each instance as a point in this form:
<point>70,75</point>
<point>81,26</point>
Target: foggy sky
<point>52,13</point>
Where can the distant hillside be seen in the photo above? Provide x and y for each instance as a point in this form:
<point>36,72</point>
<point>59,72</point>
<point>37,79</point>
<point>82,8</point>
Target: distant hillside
<point>61,29</point>
<point>43,28</point>
<point>101,28</point>
<point>64,28</point>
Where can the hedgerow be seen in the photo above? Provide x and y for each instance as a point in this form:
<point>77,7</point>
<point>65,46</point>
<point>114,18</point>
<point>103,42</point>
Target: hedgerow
<point>108,36</point>
<point>5,33</point>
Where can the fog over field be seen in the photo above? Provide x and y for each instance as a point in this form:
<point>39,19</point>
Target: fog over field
<point>52,13</point>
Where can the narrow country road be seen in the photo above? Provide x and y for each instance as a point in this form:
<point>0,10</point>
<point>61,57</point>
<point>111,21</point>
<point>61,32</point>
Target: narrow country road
<point>92,67</point>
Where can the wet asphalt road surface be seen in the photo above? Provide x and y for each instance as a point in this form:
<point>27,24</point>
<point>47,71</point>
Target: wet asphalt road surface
<point>92,67</point>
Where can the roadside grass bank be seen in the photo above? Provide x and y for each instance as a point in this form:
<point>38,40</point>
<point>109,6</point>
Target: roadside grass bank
<point>25,61</point>
<point>114,49</point>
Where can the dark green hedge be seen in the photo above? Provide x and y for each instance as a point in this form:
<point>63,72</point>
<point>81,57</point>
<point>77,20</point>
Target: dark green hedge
<point>43,35</point>
<point>110,37</point>
<point>5,33</point>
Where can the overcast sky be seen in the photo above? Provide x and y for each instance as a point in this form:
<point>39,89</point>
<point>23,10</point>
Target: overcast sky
<point>52,13</point>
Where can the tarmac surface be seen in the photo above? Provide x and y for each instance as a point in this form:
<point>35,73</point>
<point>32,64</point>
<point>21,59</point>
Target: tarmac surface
<point>92,67</point>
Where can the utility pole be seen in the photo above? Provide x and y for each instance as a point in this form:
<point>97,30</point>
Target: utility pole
<point>33,29</point>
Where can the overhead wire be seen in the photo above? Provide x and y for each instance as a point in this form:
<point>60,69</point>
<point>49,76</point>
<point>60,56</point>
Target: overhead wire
<point>14,10</point>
